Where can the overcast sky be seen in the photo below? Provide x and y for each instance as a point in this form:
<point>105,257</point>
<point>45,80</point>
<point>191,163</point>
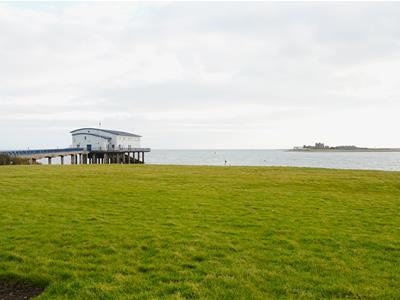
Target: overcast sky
<point>201,75</point>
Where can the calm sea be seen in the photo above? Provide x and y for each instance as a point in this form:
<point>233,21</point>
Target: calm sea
<point>389,161</point>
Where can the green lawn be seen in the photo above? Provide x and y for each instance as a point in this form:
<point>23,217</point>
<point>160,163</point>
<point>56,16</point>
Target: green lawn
<point>149,232</point>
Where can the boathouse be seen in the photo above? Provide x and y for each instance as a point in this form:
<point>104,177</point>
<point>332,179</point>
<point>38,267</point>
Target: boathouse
<point>92,146</point>
<point>105,146</point>
<point>104,139</point>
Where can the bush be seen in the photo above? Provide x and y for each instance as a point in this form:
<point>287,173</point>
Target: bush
<point>10,160</point>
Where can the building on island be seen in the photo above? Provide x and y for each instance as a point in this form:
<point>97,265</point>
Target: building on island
<point>317,146</point>
<point>323,147</point>
<point>320,146</point>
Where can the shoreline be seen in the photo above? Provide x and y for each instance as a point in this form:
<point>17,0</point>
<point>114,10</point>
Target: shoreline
<point>349,150</point>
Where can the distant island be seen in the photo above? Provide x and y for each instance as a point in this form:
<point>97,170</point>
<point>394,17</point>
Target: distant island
<point>321,147</point>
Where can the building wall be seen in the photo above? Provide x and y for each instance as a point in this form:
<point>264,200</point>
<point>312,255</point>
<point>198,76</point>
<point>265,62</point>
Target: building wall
<point>82,141</point>
<point>127,141</point>
<point>85,137</point>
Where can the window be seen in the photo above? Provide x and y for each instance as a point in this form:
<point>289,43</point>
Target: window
<point>85,138</point>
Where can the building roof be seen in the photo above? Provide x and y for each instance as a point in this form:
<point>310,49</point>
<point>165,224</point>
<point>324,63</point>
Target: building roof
<point>116,132</point>
<point>93,134</point>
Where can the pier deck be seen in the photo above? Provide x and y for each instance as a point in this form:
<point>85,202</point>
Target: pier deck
<point>82,156</point>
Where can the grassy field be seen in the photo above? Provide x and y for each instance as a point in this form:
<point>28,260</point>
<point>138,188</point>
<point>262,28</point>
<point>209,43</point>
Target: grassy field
<point>149,232</point>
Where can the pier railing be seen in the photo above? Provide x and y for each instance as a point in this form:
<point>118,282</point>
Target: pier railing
<point>40,151</point>
<point>83,156</point>
<point>120,150</point>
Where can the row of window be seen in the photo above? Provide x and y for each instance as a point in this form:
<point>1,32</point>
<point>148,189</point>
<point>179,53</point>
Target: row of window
<point>129,139</point>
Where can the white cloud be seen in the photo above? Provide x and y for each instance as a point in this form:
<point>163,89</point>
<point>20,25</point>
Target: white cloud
<point>278,74</point>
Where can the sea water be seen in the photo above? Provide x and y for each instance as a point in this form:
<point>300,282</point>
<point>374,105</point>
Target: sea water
<point>389,161</point>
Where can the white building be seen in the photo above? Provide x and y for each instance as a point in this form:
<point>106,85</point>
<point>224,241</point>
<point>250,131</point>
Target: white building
<point>104,139</point>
